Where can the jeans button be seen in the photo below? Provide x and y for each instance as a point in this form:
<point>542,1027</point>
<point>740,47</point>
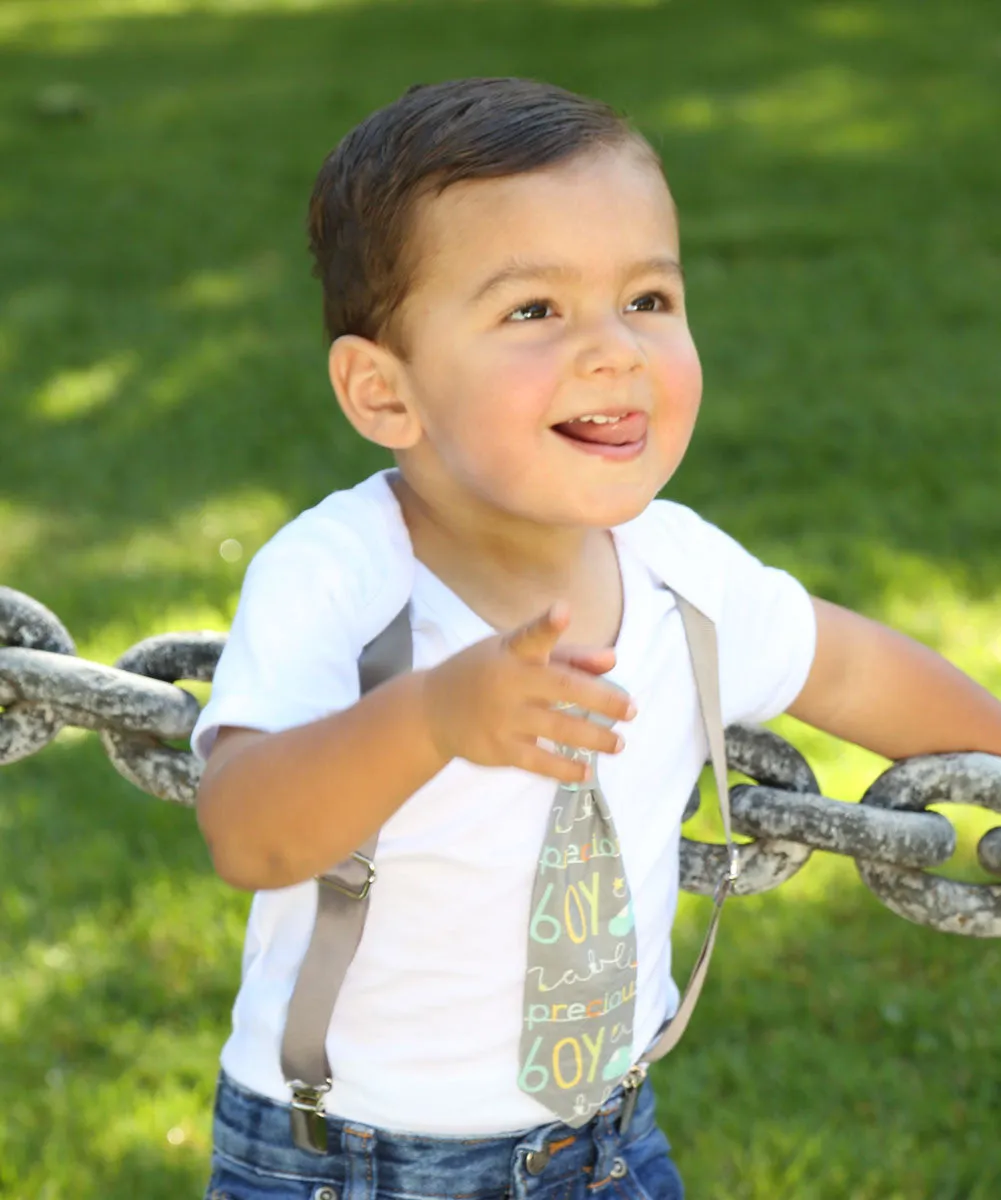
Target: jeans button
<point>536,1161</point>
<point>325,1193</point>
<point>620,1168</point>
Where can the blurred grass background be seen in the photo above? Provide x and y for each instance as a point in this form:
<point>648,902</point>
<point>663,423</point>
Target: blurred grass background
<point>163,409</point>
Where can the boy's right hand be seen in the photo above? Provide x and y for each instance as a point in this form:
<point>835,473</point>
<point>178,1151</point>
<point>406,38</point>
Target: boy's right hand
<point>491,702</point>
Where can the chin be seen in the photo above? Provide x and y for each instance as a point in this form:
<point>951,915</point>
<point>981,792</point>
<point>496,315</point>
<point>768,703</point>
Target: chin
<point>605,512</point>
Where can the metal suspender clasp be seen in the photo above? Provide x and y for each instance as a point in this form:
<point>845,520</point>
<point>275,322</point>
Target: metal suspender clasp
<point>631,1093</point>
<point>358,893</point>
<point>308,1117</point>
<point>727,880</point>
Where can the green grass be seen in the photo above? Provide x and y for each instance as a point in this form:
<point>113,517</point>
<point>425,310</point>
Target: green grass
<point>162,390</point>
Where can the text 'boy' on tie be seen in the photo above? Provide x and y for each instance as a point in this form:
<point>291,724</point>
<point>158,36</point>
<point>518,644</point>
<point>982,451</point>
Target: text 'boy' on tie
<point>580,985</point>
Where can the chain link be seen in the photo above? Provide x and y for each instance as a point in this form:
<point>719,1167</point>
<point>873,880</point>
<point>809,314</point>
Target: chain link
<point>907,788</point>
<point>137,708</point>
<point>140,755</point>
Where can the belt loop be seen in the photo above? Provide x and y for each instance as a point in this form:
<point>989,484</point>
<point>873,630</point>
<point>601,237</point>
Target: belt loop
<point>359,1146</point>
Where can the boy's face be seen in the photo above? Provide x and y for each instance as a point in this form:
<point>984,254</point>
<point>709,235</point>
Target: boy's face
<point>540,299</point>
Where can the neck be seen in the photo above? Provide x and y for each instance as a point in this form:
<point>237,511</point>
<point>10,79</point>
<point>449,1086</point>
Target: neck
<point>506,568</point>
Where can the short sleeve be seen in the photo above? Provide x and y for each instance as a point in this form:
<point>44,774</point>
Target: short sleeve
<point>767,635</point>
<point>312,598</point>
<point>764,618</point>
<point>290,657</point>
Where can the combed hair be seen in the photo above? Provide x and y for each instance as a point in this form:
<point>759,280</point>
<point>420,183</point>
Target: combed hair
<point>362,209</point>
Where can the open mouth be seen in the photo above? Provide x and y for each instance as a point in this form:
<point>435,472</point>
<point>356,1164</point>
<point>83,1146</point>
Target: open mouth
<point>619,436</point>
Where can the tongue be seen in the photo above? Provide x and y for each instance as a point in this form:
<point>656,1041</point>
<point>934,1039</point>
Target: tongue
<point>619,433</point>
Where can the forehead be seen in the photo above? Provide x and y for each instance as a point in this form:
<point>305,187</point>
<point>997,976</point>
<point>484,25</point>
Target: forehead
<point>591,213</point>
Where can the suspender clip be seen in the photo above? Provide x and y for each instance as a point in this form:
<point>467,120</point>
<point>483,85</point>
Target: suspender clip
<point>631,1093</point>
<point>733,869</point>
<point>353,893</point>
<point>308,1116</point>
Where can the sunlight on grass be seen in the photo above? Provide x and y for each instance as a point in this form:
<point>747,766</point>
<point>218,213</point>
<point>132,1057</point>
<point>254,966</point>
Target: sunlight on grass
<point>610,3</point>
<point>228,529</point>
<point>215,538</point>
<point>162,1121</point>
<point>830,109</point>
<point>55,17</point>
<point>845,20</point>
<point>84,955</point>
<point>932,603</point>
<point>196,538</point>
<point>827,110</point>
<point>81,392</point>
<point>212,355</point>
<point>114,638</point>
<point>129,1089</point>
<point>228,289</point>
<point>22,527</point>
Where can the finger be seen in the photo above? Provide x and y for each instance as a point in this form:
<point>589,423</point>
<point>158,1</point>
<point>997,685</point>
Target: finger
<point>561,684</point>
<point>534,641</point>
<point>577,732</point>
<point>585,658</point>
<point>530,757</point>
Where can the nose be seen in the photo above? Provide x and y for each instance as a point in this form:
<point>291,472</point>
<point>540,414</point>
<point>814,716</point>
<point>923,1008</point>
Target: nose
<point>609,347</point>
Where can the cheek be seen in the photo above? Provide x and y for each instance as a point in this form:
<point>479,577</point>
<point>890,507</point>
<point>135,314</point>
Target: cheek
<point>511,391</point>
<point>679,372</point>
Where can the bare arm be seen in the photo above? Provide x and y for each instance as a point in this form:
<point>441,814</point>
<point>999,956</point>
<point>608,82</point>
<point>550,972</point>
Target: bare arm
<point>880,689</point>
<point>278,808</point>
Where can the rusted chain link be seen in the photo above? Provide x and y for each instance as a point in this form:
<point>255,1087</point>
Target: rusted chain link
<point>137,708</point>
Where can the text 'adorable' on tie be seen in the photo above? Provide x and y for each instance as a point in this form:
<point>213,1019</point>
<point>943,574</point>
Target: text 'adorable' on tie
<point>580,984</point>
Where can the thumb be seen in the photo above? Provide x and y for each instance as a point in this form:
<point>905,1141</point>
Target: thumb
<point>596,661</point>
<point>534,641</point>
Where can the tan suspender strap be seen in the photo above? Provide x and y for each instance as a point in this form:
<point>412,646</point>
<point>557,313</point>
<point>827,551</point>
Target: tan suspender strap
<point>702,648</point>
<point>341,908</point>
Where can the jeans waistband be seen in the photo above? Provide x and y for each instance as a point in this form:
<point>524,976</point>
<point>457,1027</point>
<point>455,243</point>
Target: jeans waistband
<point>254,1130</point>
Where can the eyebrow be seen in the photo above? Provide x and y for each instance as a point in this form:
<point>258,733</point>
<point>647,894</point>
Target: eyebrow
<point>517,271</point>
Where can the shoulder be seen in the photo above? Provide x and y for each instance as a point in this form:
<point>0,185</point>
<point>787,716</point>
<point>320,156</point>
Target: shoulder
<point>351,552</point>
<point>764,617</point>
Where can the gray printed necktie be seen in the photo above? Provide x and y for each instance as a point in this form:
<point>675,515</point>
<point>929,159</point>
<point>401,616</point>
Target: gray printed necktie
<point>580,985</point>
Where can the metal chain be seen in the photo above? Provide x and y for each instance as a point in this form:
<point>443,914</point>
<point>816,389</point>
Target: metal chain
<point>137,708</point>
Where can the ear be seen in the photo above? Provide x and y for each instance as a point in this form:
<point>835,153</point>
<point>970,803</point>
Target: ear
<point>370,387</point>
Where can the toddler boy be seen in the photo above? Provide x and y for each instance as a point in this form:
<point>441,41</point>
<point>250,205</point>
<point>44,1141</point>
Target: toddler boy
<point>504,299</point>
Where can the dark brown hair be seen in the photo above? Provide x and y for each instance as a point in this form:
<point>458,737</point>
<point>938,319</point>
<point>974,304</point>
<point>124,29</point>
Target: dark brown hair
<point>363,203</point>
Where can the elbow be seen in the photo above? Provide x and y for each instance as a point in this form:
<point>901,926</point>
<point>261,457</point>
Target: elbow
<point>237,861</point>
<point>234,871</point>
<point>249,872</point>
<point>228,863</point>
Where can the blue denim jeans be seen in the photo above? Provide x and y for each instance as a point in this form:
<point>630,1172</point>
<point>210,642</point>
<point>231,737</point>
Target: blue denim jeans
<point>255,1159</point>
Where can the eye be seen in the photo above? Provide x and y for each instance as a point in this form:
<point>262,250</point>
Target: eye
<point>652,302</point>
<point>534,310</point>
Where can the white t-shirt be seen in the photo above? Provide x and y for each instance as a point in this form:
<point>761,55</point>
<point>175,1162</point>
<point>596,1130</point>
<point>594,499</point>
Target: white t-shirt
<point>425,1034</point>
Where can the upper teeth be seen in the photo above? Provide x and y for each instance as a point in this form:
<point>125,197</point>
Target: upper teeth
<point>599,420</point>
